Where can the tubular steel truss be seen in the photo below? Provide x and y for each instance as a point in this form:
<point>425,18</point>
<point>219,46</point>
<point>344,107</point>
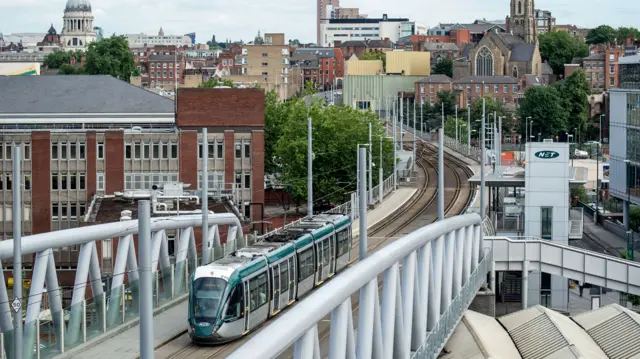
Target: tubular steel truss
<point>119,303</point>
<point>429,278</point>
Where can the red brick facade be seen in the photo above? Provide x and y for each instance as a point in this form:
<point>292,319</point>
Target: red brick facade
<point>114,161</point>
<point>41,181</point>
<point>189,158</point>
<point>220,108</point>
<point>257,176</point>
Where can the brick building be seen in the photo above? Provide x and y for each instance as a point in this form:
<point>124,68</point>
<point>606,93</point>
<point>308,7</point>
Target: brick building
<point>427,89</point>
<point>329,62</point>
<point>85,137</point>
<point>159,66</point>
<point>593,66</point>
<point>502,88</point>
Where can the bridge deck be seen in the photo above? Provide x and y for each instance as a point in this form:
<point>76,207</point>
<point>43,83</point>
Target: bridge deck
<point>124,343</point>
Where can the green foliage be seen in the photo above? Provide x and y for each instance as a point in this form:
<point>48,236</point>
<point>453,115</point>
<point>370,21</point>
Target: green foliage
<point>110,56</point>
<point>375,55</point>
<point>602,34</point>
<point>559,48</point>
<point>67,69</point>
<point>491,106</point>
<point>547,110</point>
<point>450,128</point>
<point>447,98</point>
<point>444,67</point>
<point>580,193</point>
<point>135,72</point>
<point>309,89</point>
<point>624,32</point>
<point>337,130</point>
<point>214,82</point>
<point>56,59</point>
<point>634,218</point>
<point>575,91</point>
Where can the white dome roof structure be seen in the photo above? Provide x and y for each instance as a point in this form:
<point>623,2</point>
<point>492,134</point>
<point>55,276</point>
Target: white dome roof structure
<point>78,5</point>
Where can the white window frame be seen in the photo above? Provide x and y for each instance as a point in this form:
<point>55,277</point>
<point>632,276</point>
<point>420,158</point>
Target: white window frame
<point>100,181</point>
<point>100,146</point>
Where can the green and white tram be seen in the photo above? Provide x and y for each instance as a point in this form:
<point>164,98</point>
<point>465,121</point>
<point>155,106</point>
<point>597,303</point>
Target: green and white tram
<point>233,295</point>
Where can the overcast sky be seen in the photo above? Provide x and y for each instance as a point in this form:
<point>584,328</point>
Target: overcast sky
<point>241,19</point>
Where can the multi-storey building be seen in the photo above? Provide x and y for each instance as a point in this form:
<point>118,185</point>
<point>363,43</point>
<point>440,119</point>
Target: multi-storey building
<point>266,62</point>
<point>593,66</point>
<point>624,148</point>
<point>322,15</point>
<point>544,21</point>
<point>477,30</point>
<point>330,65</point>
<point>144,40</point>
<point>160,66</point>
<point>336,31</point>
<point>502,88</point>
<point>86,137</point>
<point>612,56</point>
<point>427,89</point>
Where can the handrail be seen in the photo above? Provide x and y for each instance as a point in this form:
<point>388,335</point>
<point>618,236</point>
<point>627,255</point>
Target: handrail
<point>299,322</point>
<point>81,235</point>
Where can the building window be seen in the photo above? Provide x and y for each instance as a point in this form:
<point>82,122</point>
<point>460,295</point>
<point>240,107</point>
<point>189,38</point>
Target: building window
<point>7,151</point>
<point>174,151</point>
<point>146,150</point>
<point>505,89</point>
<point>546,222</point>
<point>477,89</point>
<point>431,88</point>
<point>9,182</point>
<point>54,181</point>
<point>238,179</point>
<point>63,181</point>
<point>515,88</point>
<point>27,182</point>
<point>156,150</point>
<point>63,150</point>
<point>612,69</point>
<point>137,150</point>
<point>612,82</point>
<point>495,88</point>
<point>422,88</point>
<point>247,180</point>
<point>247,149</point>
<point>468,88</point>
<point>220,149</point>
<point>127,151</point>
<point>612,57</point>
<point>165,150</point>
<point>484,62</point>
<point>238,147</point>
<point>100,185</point>
<point>27,152</point>
<point>82,181</point>
<point>73,181</point>
<point>100,150</point>
<point>55,210</point>
<point>264,54</point>
<point>486,88</point>
<point>82,150</point>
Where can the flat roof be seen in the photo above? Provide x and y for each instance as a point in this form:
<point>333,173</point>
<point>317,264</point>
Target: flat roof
<point>108,209</point>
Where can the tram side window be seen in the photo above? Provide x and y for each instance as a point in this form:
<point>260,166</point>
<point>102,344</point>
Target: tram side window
<point>258,291</point>
<point>305,261</point>
<point>343,243</point>
<point>234,309</point>
<point>326,252</point>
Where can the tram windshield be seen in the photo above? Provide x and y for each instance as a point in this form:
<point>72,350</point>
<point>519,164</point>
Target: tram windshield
<point>208,294</point>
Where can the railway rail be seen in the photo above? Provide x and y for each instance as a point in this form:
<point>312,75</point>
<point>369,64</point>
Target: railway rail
<point>418,212</point>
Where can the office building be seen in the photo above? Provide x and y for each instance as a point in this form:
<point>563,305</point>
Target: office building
<point>337,31</point>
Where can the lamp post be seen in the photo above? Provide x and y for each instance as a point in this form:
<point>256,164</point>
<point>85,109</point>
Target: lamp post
<point>309,170</point>
<point>457,139</point>
<point>468,130</point>
<point>526,128</point>
<point>531,129</point>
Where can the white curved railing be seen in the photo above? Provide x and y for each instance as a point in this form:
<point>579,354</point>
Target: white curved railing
<point>90,317</point>
<point>429,278</point>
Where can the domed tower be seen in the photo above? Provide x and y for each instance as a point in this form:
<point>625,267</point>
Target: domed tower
<point>77,31</point>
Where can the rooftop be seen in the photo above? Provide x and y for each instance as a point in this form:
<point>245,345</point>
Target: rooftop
<point>436,79</point>
<point>366,20</point>
<point>322,52</point>
<point>487,80</point>
<point>541,333</point>
<point>86,94</point>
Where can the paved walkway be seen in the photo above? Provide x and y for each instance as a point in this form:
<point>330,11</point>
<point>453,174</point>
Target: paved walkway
<point>173,322</point>
<point>598,239</point>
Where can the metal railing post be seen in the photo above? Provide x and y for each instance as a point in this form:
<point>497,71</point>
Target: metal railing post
<point>37,339</point>
<point>104,312</point>
<point>84,320</point>
<point>124,302</point>
<point>173,287</point>
<point>62,331</point>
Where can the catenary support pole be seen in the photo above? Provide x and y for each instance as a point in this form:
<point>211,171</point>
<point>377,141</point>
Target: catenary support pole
<point>395,145</point>
<point>309,170</point>
<point>146,287</point>
<point>205,197</point>
<point>380,176</point>
<point>525,284</point>
<point>17,251</point>
<point>468,130</point>
<point>499,142</point>
<point>441,169</point>
<point>413,156</point>
<point>363,203</point>
<point>457,137</point>
<point>370,191</point>
<point>482,160</point>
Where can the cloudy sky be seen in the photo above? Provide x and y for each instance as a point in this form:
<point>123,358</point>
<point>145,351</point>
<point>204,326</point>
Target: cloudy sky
<point>241,19</point>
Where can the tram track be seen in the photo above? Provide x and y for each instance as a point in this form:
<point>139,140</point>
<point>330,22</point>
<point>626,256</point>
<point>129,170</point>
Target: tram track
<point>419,211</point>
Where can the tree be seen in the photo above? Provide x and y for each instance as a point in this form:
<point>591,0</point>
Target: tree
<point>447,98</point>
<point>624,32</point>
<point>337,130</point>
<point>491,107</point>
<point>110,56</point>
<point>56,59</point>
<point>450,128</point>
<point>67,69</point>
<point>375,55</point>
<point>559,48</point>
<point>575,92</point>
<point>546,108</point>
<point>443,67</point>
<point>136,72</point>
<point>309,89</point>
<point>212,42</point>
<point>603,34</point>
<point>214,82</point>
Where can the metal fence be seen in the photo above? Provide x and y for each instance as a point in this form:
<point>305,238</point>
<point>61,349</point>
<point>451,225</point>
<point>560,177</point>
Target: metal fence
<point>349,208</point>
<point>46,336</point>
<point>429,278</point>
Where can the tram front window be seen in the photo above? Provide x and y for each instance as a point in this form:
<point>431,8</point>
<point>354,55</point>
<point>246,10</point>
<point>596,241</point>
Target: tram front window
<point>208,294</point>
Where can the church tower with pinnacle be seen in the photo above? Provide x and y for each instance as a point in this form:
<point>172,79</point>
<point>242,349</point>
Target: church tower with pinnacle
<point>522,21</point>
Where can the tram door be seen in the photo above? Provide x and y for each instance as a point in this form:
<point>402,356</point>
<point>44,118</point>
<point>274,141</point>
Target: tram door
<point>275,274</point>
<point>292,279</point>
<point>247,308</point>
